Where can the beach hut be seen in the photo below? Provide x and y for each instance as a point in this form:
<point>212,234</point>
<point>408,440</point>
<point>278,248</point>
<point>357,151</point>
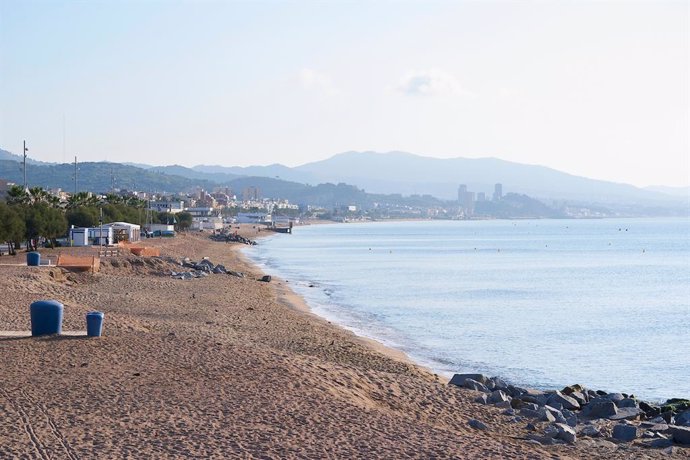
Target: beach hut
<point>124,231</point>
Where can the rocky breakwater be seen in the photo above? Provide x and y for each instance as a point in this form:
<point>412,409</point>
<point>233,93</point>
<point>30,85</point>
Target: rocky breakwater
<point>576,413</point>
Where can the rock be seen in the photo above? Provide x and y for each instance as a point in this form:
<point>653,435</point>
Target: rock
<point>600,408</point>
<point>668,417</point>
<point>482,399</point>
<point>234,273</point>
<point>661,443</point>
<point>683,419</point>
<point>649,409</point>
<point>546,416</point>
<point>530,413</point>
<point>626,402</point>
<point>516,403</point>
<point>676,405</point>
<point>265,278</point>
<point>474,385</point>
<point>551,431</point>
<point>557,415</point>
<point>681,434</point>
<point>615,397</point>
<point>477,425</point>
<point>566,401</point>
<point>590,431</point>
<point>499,396</point>
<point>459,379</point>
<point>219,269</point>
<point>499,384</point>
<point>625,433</point>
<point>534,396</point>
<point>570,389</point>
<point>566,433</point>
<point>509,411</point>
<point>503,405</point>
<point>626,413</point>
<point>570,417</point>
<point>530,427</point>
<point>657,420</point>
<point>579,397</point>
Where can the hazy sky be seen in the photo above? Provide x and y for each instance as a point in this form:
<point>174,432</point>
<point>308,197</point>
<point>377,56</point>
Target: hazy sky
<point>597,88</point>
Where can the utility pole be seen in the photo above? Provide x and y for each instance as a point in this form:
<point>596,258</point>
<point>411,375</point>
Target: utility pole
<point>75,175</point>
<point>25,150</point>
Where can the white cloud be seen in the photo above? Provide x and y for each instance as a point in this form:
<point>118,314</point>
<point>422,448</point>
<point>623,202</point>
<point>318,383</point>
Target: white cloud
<point>315,81</point>
<point>432,82</point>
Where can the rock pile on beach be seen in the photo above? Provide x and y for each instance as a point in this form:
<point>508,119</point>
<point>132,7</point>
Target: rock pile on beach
<point>232,238</point>
<point>555,417</point>
<point>202,269</point>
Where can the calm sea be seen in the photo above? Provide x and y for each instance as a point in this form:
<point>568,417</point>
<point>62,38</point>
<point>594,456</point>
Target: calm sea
<point>542,303</point>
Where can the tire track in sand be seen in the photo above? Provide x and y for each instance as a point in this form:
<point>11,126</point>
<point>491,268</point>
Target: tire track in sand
<point>28,427</point>
<point>69,451</point>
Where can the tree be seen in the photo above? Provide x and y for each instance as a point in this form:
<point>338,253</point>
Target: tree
<point>12,227</point>
<point>184,221</point>
<point>84,216</point>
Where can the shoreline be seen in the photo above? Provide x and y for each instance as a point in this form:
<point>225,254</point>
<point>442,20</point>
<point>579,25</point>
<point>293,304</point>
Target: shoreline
<point>286,296</point>
<point>301,304</point>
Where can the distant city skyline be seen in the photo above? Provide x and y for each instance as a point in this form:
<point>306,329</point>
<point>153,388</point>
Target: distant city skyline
<point>597,89</point>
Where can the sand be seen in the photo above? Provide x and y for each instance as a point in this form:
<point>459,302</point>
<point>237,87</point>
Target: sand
<point>223,367</point>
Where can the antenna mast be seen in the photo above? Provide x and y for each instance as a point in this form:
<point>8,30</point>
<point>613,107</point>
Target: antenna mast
<point>25,150</point>
<point>75,174</point>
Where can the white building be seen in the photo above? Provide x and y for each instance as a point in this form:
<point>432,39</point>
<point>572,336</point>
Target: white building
<point>252,218</point>
<point>91,236</point>
<point>172,207</point>
<point>124,231</point>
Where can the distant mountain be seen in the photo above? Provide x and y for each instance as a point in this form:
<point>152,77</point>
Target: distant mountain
<point>98,177</point>
<point>276,171</point>
<point>673,191</point>
<point>400,172</point>
<point>177,170</point>
<point>5,155</point>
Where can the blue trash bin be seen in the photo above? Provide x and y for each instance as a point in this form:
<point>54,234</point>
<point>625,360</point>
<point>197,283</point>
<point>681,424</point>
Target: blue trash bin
<point>94,323</point>
<point>33,259</point>
<point>46,317</point>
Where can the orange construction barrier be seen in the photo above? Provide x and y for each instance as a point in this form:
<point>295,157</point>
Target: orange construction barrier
<point>90,263</point>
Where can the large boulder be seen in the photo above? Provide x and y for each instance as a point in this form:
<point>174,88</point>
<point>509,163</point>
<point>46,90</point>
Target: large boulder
<point>626,413</point>
<point>683,419</point>
<point>681,434</point>
<point>459,379</point>
<point>474,385</point>
<point>565,401</point>
<point>499,384</point>
<point>498,396</point>
<point>590,431</point>
<point>551,414</point>
<point>625,433</point>
<point>626,402</point>
<point>600,408</point>
<point>566,433</point>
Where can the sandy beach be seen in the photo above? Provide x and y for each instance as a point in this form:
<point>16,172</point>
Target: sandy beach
<point>225,367</point>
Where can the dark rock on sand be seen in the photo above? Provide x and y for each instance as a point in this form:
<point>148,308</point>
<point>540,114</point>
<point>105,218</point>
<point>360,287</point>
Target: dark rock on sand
<point>681,434</point>
<point>600,408</point>
<point>459,379</point>
<point>565,401</point>
<point>477,425</point>
<point>683,419</point>
<point>625,433</point>
<point>566,433</point>
<point>474,385</point>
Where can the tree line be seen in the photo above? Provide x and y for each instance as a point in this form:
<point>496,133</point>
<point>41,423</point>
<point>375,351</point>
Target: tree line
<point>34,215</point>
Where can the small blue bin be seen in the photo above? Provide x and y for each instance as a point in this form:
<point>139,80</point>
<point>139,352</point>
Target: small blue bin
<point>94,323</point>
<point>46,317</point>
<point>33,259</point>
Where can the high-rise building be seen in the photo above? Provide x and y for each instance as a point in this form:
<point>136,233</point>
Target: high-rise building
<point>498,192</point>
<point>466,199</point>
<point>481,196</point>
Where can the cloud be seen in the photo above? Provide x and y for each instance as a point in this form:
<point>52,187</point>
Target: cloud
<point>432,82</point>
<point>315,81</point>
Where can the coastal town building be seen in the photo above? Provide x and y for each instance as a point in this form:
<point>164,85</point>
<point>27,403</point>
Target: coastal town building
<point>498,192</point>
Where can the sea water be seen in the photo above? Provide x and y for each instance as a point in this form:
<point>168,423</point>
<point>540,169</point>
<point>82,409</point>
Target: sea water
<point>541,303</point>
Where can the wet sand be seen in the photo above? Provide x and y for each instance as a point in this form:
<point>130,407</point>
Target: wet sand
<point>224,367</point>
